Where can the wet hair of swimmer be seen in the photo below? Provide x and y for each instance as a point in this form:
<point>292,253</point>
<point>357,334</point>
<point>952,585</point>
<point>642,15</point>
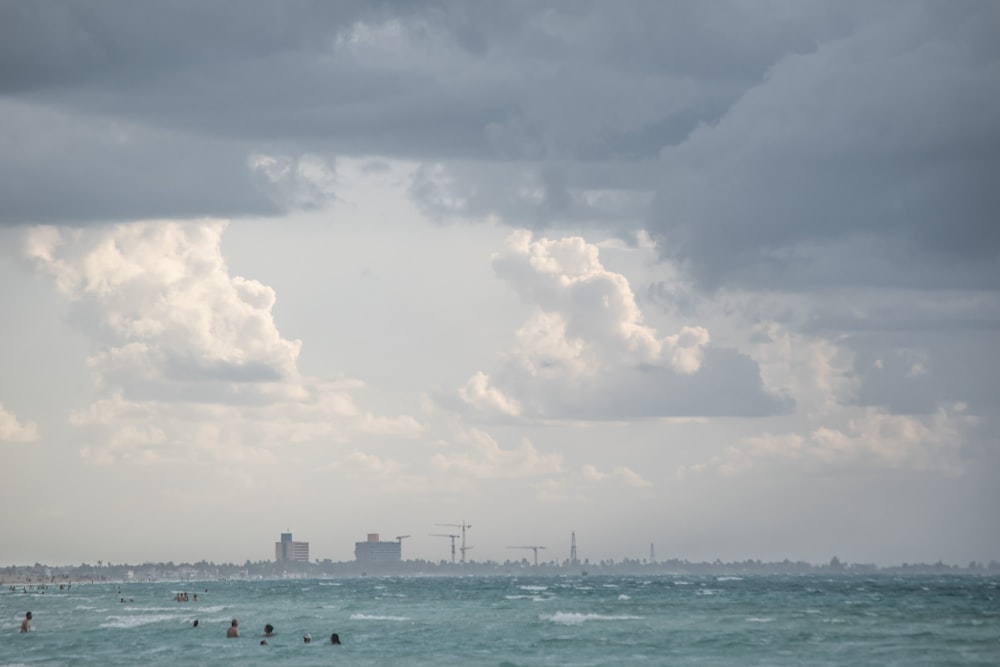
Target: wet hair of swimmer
<point>334,638</point>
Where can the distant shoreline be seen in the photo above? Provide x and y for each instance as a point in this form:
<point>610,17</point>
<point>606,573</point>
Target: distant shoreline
<point>38,575</point>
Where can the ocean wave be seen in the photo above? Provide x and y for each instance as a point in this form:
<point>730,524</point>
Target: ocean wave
<point>729,578</point>
<point>574,618</point>
<point>760,619</point>
<point>533,588</point>
<point>624,597</point>
<point>375,617</point>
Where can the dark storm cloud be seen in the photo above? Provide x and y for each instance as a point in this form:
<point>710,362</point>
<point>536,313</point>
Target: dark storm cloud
<point>202,85</point>
<point>796,143</point>
<point>872,160</point>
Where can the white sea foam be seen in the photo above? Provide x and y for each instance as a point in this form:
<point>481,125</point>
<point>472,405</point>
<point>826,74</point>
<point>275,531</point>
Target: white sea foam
<point>136,621</point>
<point>214,609</point>
<point>624,597</point>
<point>760,619</point>
<point>376,617</point>
<point>729,578</point>
<point>534,588</point>
<point>573,618</point>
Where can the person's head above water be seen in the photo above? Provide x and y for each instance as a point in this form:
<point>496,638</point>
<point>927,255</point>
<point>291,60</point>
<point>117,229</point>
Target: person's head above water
<point>268,629</point>
<point>235,623</point>
<point>307,638</point>
<point>334,638</point>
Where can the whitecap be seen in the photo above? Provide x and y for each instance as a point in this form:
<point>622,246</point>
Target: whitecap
<point>624,597</point>
<point>375,617</point>
<point>136,621</point>
<point>573,618</point>
<point>760,619</point>
<point>729,578</point>
<point>534,588</point>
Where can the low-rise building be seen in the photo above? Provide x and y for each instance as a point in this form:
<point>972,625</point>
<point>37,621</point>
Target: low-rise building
<point>373,550</point>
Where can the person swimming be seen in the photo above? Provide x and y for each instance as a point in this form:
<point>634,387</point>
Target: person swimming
<point>195,624</point>
<point>334,638</point>
<point>26,623</point>
<point>307,638</point>
<point>268,630</point>
<point>234,630</point>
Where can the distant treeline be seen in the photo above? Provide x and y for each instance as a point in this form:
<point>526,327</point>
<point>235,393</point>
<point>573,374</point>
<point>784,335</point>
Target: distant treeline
<point>204,570</point>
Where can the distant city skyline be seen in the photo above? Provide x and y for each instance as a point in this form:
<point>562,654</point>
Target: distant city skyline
<point>723,277</point>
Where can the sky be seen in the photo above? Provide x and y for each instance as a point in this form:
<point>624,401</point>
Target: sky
<point>721,279</point>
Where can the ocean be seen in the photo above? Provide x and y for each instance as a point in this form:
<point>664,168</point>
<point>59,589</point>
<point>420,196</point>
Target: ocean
<point>514,620</point>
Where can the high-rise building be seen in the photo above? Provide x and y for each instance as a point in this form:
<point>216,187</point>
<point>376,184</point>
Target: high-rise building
<point>375,551</point>
<point>289,550</point>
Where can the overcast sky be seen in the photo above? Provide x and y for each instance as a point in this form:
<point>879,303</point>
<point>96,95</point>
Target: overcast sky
<point>721,277</point>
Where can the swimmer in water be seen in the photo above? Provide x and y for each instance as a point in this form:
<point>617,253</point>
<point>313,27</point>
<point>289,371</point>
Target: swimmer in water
<point>268,630</point>
<point>234,630</point>
<point>334,638</point>
<point>308,638</point>
<point>26,623</point>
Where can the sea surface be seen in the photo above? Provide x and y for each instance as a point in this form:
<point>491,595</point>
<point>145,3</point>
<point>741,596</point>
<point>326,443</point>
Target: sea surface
<point>515,620</point>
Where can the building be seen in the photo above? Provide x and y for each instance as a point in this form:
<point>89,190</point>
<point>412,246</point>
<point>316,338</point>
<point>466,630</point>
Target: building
<point>289,550</point>
<point>376,551</point>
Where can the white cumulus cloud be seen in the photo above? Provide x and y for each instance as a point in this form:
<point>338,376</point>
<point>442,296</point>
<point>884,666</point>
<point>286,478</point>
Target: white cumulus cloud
<point>12,430</point>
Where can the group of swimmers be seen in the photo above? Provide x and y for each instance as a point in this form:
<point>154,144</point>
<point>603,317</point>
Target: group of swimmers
<point>183,597</point>
<point>38,587</point>
<point>234,631</point>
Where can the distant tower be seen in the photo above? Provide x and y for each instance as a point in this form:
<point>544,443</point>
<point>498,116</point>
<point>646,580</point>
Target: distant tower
<point>572,548</point>
<point>652,553</point>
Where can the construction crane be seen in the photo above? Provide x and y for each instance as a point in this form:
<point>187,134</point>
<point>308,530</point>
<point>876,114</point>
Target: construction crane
<point>534,548</point>
<point>463,526</point>
<point>400,538</point>
<point>453,538</point>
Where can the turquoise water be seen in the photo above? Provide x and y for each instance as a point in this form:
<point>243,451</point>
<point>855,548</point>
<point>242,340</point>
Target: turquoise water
<point>595,620</point>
